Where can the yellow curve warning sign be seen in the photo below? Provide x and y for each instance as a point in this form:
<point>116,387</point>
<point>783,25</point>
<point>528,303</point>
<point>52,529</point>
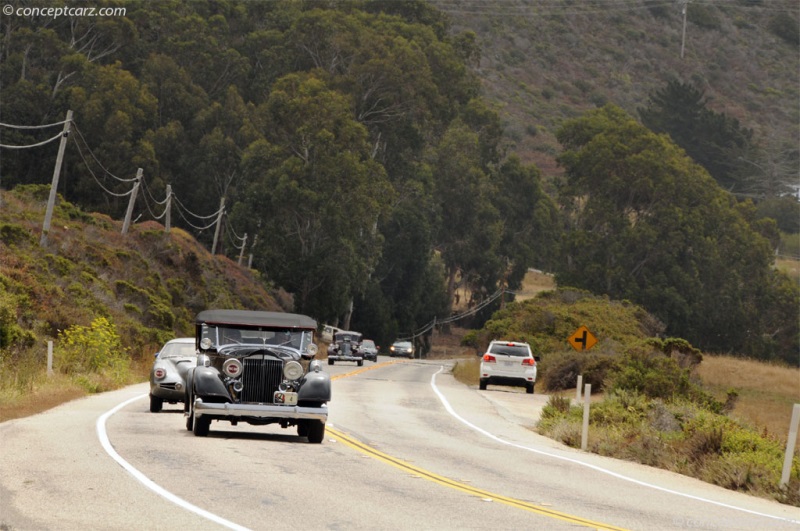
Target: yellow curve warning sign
<point>582,339</point>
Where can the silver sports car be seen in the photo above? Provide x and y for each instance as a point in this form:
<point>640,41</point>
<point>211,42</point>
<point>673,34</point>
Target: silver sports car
<point>168,375</point>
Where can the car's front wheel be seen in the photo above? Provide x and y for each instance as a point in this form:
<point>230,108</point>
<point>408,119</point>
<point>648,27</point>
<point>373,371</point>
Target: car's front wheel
<point>155,404</point>
<point>330,361</point>
<point>316,431</point>
<point>202,425</point>
<point>302,428</point>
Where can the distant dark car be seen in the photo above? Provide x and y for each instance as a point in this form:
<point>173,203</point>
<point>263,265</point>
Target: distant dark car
<point>168,374</point>
<point>250,368</point>
<point>402,348</point>
<point>345,347</point>
<point>369,350</point>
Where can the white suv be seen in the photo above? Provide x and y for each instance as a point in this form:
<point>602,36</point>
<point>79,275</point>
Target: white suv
<point>508,363</point>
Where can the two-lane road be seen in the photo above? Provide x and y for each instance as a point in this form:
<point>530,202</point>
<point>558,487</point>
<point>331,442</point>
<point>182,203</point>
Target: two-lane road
<point>407,447</point>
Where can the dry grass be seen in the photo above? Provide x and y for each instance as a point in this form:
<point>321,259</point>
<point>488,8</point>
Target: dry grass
<point>534,283</point>
<point>766,391</point>
<point>789,266</point>
<point>41,395</point>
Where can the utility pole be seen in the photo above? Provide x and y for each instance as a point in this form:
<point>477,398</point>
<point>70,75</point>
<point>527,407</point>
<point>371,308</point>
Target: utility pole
<point>127,223</point>
<point>250,256</point>
<point>48,217</point>
<point>241,251</point>
<point>219,224</point>
<point>683,37</point>
<point>168,220</point>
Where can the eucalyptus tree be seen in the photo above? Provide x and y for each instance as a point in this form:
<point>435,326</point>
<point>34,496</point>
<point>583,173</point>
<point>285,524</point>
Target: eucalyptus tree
<point>313,196</point>
<point>531,223</point>
<point>649,225</point>
<point>469,234</point>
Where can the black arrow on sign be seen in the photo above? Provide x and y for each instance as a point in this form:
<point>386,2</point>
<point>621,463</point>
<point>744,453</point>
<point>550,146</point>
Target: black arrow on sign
<point>582,340</point>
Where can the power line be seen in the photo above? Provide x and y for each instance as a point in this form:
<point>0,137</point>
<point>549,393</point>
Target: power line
<point>33,145</point>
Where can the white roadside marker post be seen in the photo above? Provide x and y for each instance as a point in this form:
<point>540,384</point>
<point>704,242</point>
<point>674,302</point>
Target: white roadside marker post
<point>587,394</point>
<point>787,461</point>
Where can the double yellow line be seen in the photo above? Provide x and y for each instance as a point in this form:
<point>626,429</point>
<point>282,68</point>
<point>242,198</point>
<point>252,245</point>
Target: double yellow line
<point>447,482</point>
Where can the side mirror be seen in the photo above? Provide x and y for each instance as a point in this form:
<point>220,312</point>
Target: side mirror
<point>537,358</point>
<point>156,354</point>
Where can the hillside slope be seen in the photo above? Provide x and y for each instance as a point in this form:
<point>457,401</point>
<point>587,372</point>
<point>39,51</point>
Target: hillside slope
<point>149,283</point>
<point>544,62</point>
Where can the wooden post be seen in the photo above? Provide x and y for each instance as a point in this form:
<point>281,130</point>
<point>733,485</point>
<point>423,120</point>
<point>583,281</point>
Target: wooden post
<point>241,251</point>
<point>250,256</point>
<point>48,217</point>
<point>127,223</point>
<point>168,211</point>
<point>219,225</point>
<point>50,358</point>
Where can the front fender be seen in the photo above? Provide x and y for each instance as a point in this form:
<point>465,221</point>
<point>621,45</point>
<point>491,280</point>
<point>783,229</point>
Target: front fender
<point>315,386</point>
<point>208,385</point>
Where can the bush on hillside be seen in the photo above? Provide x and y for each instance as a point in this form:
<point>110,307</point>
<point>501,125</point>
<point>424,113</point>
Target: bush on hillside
<point>93,350</point>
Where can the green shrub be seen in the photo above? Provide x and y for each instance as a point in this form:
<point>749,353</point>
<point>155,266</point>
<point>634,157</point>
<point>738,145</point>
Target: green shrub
<point>785,27</point>
<point>94,349</point>
<point>651,374</point>
<point>13,235</point>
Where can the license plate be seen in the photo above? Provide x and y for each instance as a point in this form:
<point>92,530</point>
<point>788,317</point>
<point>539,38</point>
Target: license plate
<point>285,397</point>
<point>509,363</point>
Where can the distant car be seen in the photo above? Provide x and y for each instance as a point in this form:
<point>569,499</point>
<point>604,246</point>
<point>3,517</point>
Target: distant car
<point>168,374</point>
<point>402,348</point>
<point>251,369</point>
<point>369,350</point>
<point>508,363</point>
<point>345,347</point>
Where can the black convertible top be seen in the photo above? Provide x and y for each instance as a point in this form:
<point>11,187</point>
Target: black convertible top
<point>256,318</point>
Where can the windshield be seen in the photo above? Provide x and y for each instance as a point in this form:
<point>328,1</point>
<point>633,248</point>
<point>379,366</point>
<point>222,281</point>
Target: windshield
<point>368,343</point>
<point>178,350</point>
<point>510,350</point>
<point>223,336</point>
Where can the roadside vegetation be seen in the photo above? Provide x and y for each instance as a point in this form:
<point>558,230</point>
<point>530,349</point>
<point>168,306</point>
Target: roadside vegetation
<point>659,402</point>
<point>107,301</point>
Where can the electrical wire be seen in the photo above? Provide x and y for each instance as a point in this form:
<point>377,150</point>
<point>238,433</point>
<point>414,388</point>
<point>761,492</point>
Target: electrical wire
<point>32,126</point>
<point>32,145</point>
<point>120,179</point>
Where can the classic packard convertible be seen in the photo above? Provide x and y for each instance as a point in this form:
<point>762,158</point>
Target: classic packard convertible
<point>250,368</point>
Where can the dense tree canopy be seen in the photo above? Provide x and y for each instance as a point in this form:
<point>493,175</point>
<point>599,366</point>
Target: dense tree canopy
<point>350,142</point>
<point>650,225</point>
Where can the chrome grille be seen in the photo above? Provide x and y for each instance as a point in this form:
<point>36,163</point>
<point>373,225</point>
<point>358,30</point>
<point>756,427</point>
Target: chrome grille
<point>260,378</point>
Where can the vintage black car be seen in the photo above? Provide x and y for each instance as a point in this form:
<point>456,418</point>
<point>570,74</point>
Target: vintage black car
<point>250,368</point>
<point>345,347</point>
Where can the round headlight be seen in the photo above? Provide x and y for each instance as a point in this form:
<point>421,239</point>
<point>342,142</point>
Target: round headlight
<point>292,370</point>
<point>232,367</point>
<point>312,349</point>
<point>159,373</point>
<point>205,344</point>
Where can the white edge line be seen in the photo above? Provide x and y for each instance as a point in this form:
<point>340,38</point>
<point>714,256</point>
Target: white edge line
<point>452,412</point>
<point>147,482</point>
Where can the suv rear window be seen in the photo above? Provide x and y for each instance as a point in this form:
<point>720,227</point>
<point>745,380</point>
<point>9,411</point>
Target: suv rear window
<point>509,350</point>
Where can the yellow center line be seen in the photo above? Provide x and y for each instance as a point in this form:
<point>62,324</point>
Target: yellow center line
<point>447,482</point>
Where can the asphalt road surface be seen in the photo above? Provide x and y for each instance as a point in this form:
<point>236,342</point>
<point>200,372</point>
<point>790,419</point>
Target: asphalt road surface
<point>407,447</point>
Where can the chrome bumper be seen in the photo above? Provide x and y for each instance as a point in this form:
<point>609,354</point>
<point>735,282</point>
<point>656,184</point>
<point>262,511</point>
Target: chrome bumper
<point>346,358</point>
<point>259,410</point>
